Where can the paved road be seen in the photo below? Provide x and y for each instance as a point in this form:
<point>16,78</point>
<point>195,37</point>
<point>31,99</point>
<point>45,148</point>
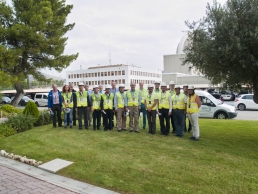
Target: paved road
<point>12,181</point>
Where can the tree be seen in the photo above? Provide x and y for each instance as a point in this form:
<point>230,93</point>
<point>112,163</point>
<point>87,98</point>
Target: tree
<point>223,45</point>
<point>31,38</point>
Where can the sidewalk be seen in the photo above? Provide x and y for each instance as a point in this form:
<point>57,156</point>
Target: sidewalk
<point>17,177</point>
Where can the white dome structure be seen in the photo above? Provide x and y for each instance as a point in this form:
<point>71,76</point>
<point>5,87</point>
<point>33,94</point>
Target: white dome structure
<point>182,44</point>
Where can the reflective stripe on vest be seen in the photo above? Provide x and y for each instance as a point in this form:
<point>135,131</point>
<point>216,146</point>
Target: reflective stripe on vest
<point>150,100</point>
<point>108,101</point>
<point>82,99</point>
<point>67,99</point>
<point>192,106</point>
<point>143,93</point>
<point>164,100</point>
<point>133,99</point>
<point>120,100</point>
<point>96,101</point>
<point>178,102</point>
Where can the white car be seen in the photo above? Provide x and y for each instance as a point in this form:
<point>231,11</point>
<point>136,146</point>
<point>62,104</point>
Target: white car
<point>213,108</point>
<point>41,99</point>
<point>6,100</point>
<point>24,100</point>
<point>245,101</point>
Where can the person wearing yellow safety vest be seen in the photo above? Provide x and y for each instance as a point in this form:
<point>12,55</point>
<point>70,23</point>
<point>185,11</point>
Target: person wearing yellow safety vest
<point>165,109</point>
<point>83,102</point>
<point>133,102</point>
<point>172,92</point>
<point>185,90</point>
<point>178,112</point>
<point>143,93</point>
<point>192,109</point>
<point>106,106</point>
<point>89,112</point>
<point>157,89</point>
<point>67,96</point>
<point>95,101</point>
<point>119,105</point>
<point>151,101</point>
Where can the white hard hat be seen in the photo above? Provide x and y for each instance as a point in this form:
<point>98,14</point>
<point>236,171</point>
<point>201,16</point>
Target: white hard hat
<point>96,86</point>
<point>177,86</point>
<point>126,113</point>
<point>150,86</point>
<point>190,87</point>
<point>171,83</point>
<point>121,86</point>
<point>67,110</point>
<point>108,87</point>
<point>81,84</point>
<point>185,85</point>
<point>163,84</point>
<point>157,82</point>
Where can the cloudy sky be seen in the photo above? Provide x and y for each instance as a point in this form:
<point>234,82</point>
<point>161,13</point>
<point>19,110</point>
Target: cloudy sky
<point>138,32</point>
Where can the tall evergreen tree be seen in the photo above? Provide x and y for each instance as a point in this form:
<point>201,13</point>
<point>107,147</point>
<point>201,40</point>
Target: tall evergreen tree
<point>223,45</point>
<point>32,37</point>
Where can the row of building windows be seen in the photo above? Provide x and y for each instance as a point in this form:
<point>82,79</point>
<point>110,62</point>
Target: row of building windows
<point>140,73</point>
<point>96,74</point>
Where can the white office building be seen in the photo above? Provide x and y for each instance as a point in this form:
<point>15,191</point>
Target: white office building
<point>121,74</point>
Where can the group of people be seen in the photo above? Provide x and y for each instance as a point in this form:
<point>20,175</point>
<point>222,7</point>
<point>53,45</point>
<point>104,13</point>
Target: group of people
<point>171,105</point>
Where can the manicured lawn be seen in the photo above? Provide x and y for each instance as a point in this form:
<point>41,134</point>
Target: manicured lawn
<point>223,161</point>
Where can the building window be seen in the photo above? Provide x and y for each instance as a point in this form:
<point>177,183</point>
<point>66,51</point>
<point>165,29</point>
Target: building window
<point>102,74</point>
<point>109,82</point>
<point>123,72</point>
<point>131,72</point>
<point>109,73</point>
<point>119,81</point>
<point>115,72</point>
<point>119,72</point>
<point>74,83</point>
<point>96,74</point>
<point>112,73</point>
<point>105,81</point>
<point>123,81</point>
<point>105,73</point>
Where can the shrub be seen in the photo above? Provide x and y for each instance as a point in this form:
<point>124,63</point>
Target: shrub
<point>44,119</point>
<point>6,130</point>
<point>31,109</point>
<point>21,122</point>
<point>8,108</point>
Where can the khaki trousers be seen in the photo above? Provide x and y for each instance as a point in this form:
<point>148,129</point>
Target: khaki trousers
<point>134,116</point>
<point>120,119</point>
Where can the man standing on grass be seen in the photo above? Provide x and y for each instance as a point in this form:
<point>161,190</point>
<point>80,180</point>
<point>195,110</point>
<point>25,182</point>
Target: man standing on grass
<point>133,105</point>
<point>165,109</point>
<point>172,92</point>
<point>113,90</point>
<point>95,100</point>
<point>179,111</point>
<point>74,105</point>
<point>119,105</point>
<point>151,101</point>
<point>185,89</point>
<point>89,111</point>
<point>55,104</point>
<point>83,102</point>
<point>106,105</point>
<point>143,93</point>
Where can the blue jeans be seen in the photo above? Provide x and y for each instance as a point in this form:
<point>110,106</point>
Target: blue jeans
<point>143,110</point>
<point>70,115</point>
<point>179,121</point>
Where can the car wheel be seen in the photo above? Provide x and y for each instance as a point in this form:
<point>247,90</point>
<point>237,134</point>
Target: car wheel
<point>241,107</point>
<point>37,104</point>
<point>221,115</point>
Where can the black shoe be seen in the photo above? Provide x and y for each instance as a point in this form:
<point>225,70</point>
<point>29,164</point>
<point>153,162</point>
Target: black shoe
<point>195,139</point>
<point>136,131</point>
<point>124,129</point>
<point>74,124</point>
<point>191,137</point>
<point>119,130</point>
<point>65,126</point>
<point>60,125</point>
<point>94,129</point>
<point>71,126</point>
<point>176,135</point>
<point>54,126</point>
<point>105,129</point>
<point>131,131</point>
<point>80,128</point>
<point>98,128</point>
<point>86,127</point>
<point>180,136</point>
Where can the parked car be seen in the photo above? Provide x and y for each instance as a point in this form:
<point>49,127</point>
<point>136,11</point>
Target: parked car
<point>41,99</point>
<point>5,100</point>
<point>213,108</point>
<point>24,100</point>
<point>227,95</point>
<point>245,101</point>
<point>218,96</point>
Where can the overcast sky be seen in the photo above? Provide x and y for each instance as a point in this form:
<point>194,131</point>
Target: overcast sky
<point>138,32</point>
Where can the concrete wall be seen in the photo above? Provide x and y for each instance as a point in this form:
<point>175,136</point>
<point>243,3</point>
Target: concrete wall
<point>173,64</point>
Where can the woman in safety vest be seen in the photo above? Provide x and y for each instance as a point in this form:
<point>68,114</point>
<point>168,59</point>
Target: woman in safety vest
<point>192,109</point>
<point>67,96</point>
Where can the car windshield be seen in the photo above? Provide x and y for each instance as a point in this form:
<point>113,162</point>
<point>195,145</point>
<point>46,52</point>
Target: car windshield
<point>214,100</point>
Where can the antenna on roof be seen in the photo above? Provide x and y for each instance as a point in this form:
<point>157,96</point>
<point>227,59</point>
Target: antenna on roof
<point>109,56</point>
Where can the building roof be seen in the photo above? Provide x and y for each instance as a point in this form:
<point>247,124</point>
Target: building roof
<point>107,66</point>
<point>182,44</point>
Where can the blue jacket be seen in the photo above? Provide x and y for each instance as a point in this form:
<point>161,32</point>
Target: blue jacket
<point>50,99</point>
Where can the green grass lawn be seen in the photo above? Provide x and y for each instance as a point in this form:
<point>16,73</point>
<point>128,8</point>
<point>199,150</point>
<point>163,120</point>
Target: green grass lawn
<point>224,160</point>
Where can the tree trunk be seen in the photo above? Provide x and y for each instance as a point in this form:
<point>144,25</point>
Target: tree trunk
<point>255,88</point>
<point>19,94</point>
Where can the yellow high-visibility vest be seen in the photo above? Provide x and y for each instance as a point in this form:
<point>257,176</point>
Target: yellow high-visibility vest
<point>120,99</point>
<point>172,92</point>
<point>96,101</point>
<point>150,98</point>
<point>143,93</point>
<point>82,99</point>
<point>192,106</point>
<point>178,102</point>
<point>108,101</point>
<point>164,100</point>
<point>67,99</point>
<point>133,99</point>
